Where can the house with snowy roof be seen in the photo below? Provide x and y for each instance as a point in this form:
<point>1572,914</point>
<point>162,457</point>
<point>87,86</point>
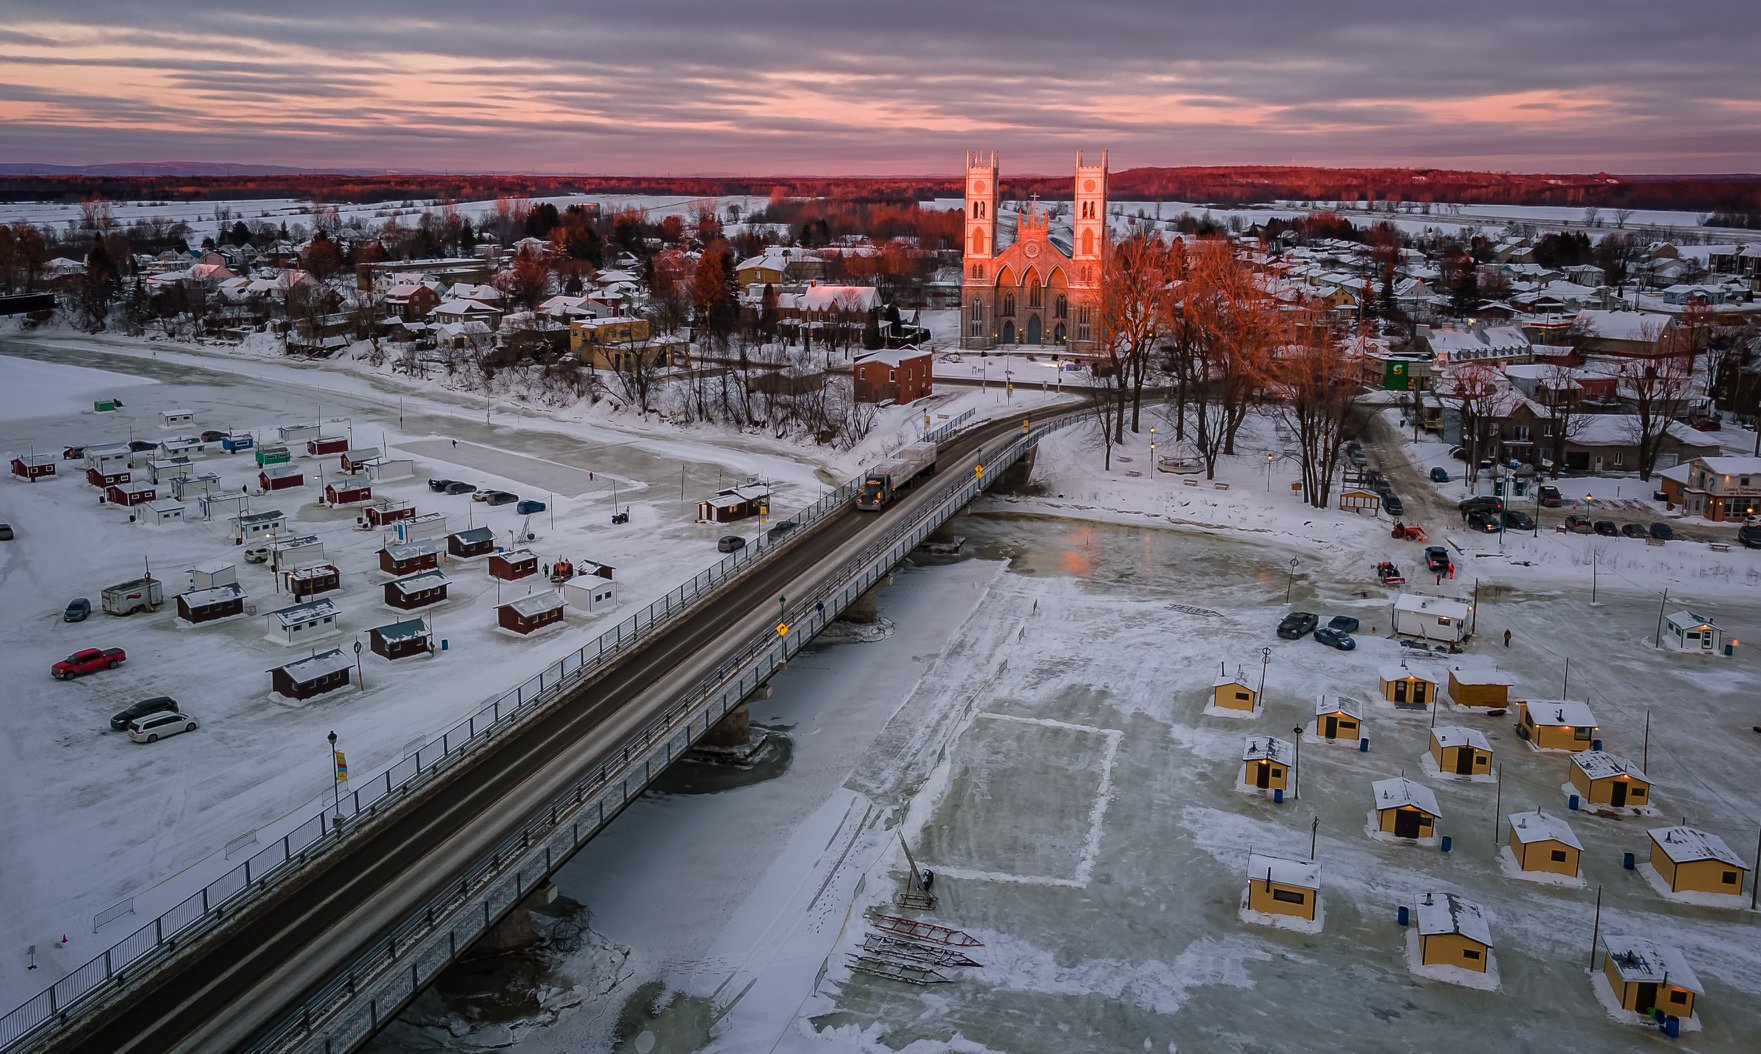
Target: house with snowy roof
<point>1625,334</point>
<point>1405,809</point>
<point>1452,932</point>
<point>1603,778</point>
<point>1482,688</point>
<point>1403,687</point>
<point>1645,976</point>
<point>453,310</point>
<point>1715,487</point>
<point>1265,763</point>
<point>1556,724</point>
<point>1690,860</point>
<point>1338,717</point>
<point>1544,843</point>
<point>1280,886</point>
<point>1232,692</point>
<point>1461,751</point>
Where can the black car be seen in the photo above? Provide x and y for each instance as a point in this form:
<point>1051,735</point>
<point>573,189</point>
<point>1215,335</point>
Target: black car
<point>1607,529</point>
<point>1663,532</point>
<point>1296,624</point>
<point>1750,536</point>
<point>1334,638</point>
<point>214,435</point>
<point>1486,522</point>
<point>141,709</point>
<point>780,530</point>
<point>1343,624</point>
<point>1383,487</point>
<point>500,497</point>
<point>1357,457</point>
<point>78,610</point>
<point>139,445</point>
<point>459,487</point>
<point>439,485</point>
<point>1518,521</point>
<point>1391,501</point>
<point>1481,504</point>
<point>1633,530</point>
<point>1437,560</point>
<point>527,507</point>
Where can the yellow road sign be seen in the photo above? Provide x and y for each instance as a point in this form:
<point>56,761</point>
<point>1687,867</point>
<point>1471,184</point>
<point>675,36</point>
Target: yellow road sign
<point>782,629</point>
<point>978,471</point>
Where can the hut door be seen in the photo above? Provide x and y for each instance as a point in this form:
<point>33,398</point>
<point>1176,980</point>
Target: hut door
<point>1464,762</point>
<point>1262,776</point>
<point>1647,996</point>
<point>1400,691</point>
<point>1406,823</point>
<point>1617,794</point>
<point>1332,727</point>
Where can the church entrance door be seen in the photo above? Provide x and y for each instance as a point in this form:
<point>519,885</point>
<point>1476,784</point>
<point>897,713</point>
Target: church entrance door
<point>1009,332</point>
<point>1033,329</point>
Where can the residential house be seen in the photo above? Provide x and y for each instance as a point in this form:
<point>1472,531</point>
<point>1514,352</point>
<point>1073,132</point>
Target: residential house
<point>452,310</point>
<point>901,375</point>
<point>619,342</point>
<point>1479,343</point>
<point>1622,334</point>
<point>1717,488</point>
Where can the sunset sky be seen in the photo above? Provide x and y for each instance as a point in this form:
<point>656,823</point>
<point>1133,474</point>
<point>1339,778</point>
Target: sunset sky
<point>901,86</point>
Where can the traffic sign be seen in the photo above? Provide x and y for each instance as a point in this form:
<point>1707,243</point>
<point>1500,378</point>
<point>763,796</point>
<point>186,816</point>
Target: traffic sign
<point>978,471</point>
<point>782,629</point>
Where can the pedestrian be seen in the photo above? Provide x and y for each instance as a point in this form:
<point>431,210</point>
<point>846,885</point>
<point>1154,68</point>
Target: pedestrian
<point>819,608</point>
<point>455,444</point>
<point>1507,638</point>
<point>547,575</point>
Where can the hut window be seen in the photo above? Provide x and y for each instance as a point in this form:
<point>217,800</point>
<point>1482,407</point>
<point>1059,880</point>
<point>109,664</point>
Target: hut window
<point>1580,733</point>
<point>1470,953</point>
<point>1636,792</point>
<point>1677,995</point>
<point>1558,856</point>
<point>1730,878</point>
<point>1290,896</point>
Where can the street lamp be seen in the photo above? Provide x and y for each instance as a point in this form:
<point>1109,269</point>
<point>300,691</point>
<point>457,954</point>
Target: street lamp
<point>1291,581</point>
<point>1152,452</point>
<point>1296,770</point>
<point>1269,457</point>
<point>335,781</point>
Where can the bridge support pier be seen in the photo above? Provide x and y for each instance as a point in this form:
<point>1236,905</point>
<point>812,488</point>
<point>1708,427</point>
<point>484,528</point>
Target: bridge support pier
<point>1021,472</point>
<point>862,610</point>
<point>733,729</point>
<point>944,533</point>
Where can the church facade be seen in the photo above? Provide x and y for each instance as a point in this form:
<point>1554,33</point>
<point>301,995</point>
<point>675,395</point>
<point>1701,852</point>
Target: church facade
<point>1025,279</point>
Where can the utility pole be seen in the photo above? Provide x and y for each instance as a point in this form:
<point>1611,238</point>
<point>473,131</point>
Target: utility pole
<point>1497,808</point>
<point>1314,832</point>
<point>1645,758</point>
<point>1566,685</point>
<point>1596,929</point>
<point>1657,640</point>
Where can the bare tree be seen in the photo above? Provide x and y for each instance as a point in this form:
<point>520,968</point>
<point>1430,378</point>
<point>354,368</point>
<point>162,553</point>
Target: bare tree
<point>1562,399</point>
<point>1621,216</point>
<point>1657,390</point>
<point>1316,383</point>
<point>1133,296</point>
<point>1238,329</point>
<point>1479,394</point>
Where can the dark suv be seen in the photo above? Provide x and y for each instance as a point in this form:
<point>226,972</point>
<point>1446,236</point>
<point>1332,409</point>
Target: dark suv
<point>141,709</point>
<point>1297,624</point>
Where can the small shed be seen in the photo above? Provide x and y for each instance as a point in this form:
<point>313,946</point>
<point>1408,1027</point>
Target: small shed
<point>1266,763</point>
<point>416,591</point>
<point>254,525</point>
<point>32,467</point>
<point>312,579</point>
<point>177,418</point>
<point>321,446</point>
<point>211,604</point>
<point>1231,692</point>
<point>511,565</point>
<point>592,588</point>
<point>387,511</point>
<point>1402,687</point>
<point>190,488</point>
<point>108,457</point>
<point>163,511</point>
<point>399,640</point>
<point>1453,932</point>
<point>1557,724</point>
<point>272,454</point>
<point>129,494</point>
<point>1690,860</point>
<point>1602,778</point>
<point>183,446</point>
<point>410,557</point>
<point>1337,717</point>
<point>478,541</point>
<point>238,443</point>
<point>416,528</point>
<point>532,613</point>
<point>1460,751</point>
<point>1477,688</point>
<point>1647,976</point>
<point>303,678</point>
<point>280,477</point>
<point>356,459</point>
<point>1540,842</point>
<point>212,573</point>
<point>1277,886</point>
<point>164,470</point>
<point>347,490</point>
<point>1691,631</point>
<point>293,552</point>
<point>392,468</point>
<point>296,433</point>
<point>226,506</point>
<point>734,503</point>
<point>116,472</point>
<point>302,622</point>
<point>1432,618</point>
<point>1405,809</point>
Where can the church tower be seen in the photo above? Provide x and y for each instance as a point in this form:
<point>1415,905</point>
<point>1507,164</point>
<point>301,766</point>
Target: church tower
<point>1088,242</point>
<point>980,249</point>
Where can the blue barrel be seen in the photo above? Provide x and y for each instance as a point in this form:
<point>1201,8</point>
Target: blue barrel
<point>1363,745</point>
<point>1672,1026</point>
<point>1400,914</point>
<point>1658,1015</point>
<point>1595,744</point>
<point>443,644</point>
<point>1447,844</point>
<point>1571,802</point>
<point>1277,795</point>
<point>1626,861</point>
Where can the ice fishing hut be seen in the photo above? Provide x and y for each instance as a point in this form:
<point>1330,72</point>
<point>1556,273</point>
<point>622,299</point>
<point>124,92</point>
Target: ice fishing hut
<point>280,477</point>
<point>130,494</point>
<point>112,472</point>
<point>226,506</point>
<point>211,603</point>
<point>1690,860</point>
<point>32,467</point>
<point>1556,724</point>
<point>464,545</point>
<point>272,454</point>
<point>1452,932</point>
<point>1480,688</point>
<point>417,591</point>
<point>296,433</point>
<point>356,459</point>
<point>347,490</point>
<point>303,678</point>
<point>1540,842</point>
<point>192,488</point>
<point>1432,619</point>
<point>309,580</point>
<point>1231,692</point>
<point>163,510</point>
<point>1693,632</point>
<point>238,442</point>
<point>532,613</point>
<point>592,587</point>
<point>1276,886</point>
<point>410,557</point>
<point>212,573</point>
<point>1265,763</point>
<point>388,510</point>
<point>301,622</point>
<point>164,470</point>
<point>1405,809</point>
<point>108,457</point>
<point>178,418</point>
<point>399,640</point>
<point>1460,751</point>
<point>391,468</point>
<point>1403,687</point>
<point>290,553</point>
<point>1337,717</point>
<point>511,565</point>
<point>734,503</point>
<point>254,525</point>
<point>1608,779</point>
<point>1647,976</point>
<point>322,446</point>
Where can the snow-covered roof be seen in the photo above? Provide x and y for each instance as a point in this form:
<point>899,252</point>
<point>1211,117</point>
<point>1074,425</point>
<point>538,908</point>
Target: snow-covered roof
<point>1685,845</point>
<point>1401,673</point>
<point>1622,429</point>
<point>1688,620</point>
<point>322,664</point>
<point>1338,704</point>
<point>1490,677</point>
<point>1224,680</point>
<point>827,297</point>
<point>281,471</point>
<point>1393,793</point>
<point>413,550</point>
<point>1600,764</point>
<point>1442,607</point>
<point>894,357</point>
<point>408,629</point>
<point>1458,736</point>
<point>1537,826</point>
<point>420,582</point>
<point>300,614</point>
<point>212,567</point>
<point>361,453</point>
<point>1639,961</point>
<point>198,598</point>
<point>1621,325</point>
<point>251,519</point>
<point>1444,913</point>
<point>516,556</point>
<point>536,604</point>
<point>311,571</point>
<point>1729,466</point>
<point>473,535</point>
<point>1565,712</point>
<point>295,542</point>
<point>464,307</point>
<point>1267,748</point>
<point>348,482</point>
<point>1303,874</point>
<point>1478,342</point>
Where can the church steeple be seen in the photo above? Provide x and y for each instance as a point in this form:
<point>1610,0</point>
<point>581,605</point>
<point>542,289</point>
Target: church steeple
<point>1089,237</point>
<point>981,206</point>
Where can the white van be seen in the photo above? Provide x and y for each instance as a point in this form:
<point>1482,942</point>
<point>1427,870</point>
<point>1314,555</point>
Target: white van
<point>154,727</point>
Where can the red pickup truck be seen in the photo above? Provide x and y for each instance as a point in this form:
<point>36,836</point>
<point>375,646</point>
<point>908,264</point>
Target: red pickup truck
<point>88,661</point>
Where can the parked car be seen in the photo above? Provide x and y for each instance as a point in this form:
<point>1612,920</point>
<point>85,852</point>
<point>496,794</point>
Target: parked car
<point>5,532</point>
<point>214,435</point>
<point>157,704</point>
<point>1578,524</point>
<point>1459,453</point>
<point>1333,638</point>
<point>1484,503</point>
<point>1551,497</point>
<point>1437,560</point>
<point>458,487</point>
<point>1484,522</point>
<point>1439,475</point>
<point>1383,487</point>
<point>1750,536</point>
<point>1357,457</point>
<point>1343,623</point>
<point>257,554</point>
<point>438,485</point>
<point>1607,529</point>
<point>88,660</point>
<point>78,610</point>
<point>137,446</point>
<point>482,493</point>
<point>500,497</point>
<point>1296,624</point>
<point>730,543</point>
<point>154,727</point>
<point>527,507</point>
<point>1707,424</point>
<point>1633,530</point>
<point>1518,521</point>
<point>1391,501</point>
<point>1663,532</point>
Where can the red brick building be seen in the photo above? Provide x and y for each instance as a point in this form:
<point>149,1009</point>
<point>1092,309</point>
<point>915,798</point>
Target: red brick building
<point>901,375</point>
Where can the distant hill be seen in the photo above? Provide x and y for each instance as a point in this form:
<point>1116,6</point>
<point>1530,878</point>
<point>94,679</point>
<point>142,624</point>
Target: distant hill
<point>162,168</point>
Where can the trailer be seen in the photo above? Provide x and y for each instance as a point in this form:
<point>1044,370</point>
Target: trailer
<point>887,480</point>
<point>235,444</point>
<point>142,594</point>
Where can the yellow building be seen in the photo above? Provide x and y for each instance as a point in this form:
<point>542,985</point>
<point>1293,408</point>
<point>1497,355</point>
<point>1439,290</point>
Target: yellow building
<point>1337,717</point>
<point>1544,843</point>
<point>1601,778</point>
<point>620,341</point>
<point>1276,886</point>
<point>1694,861</point>
<point>1403,687</point>
<point>1231,693</point>
<point>1461,751</point>
<point>1557,724</point>
<point>1453,932</point>
<point>1480,689</point>
<point>1646,975</point>
<point>1266,763</point>
<point>1405,809</point>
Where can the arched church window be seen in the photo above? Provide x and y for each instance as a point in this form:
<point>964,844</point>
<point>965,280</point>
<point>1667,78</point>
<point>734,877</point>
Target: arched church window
<point>1088,243</point>
<point>978,240</point>
<point>1034,295</point>
<point>1008,303</point>
<point>1061,309</point>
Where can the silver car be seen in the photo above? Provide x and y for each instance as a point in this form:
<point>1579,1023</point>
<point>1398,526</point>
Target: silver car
<point>153,727</point>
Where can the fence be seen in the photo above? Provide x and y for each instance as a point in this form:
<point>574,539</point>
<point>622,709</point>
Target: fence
<point>349,1008</point>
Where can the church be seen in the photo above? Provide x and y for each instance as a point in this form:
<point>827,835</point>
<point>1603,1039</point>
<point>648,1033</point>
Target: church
<point>1024,280</point>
